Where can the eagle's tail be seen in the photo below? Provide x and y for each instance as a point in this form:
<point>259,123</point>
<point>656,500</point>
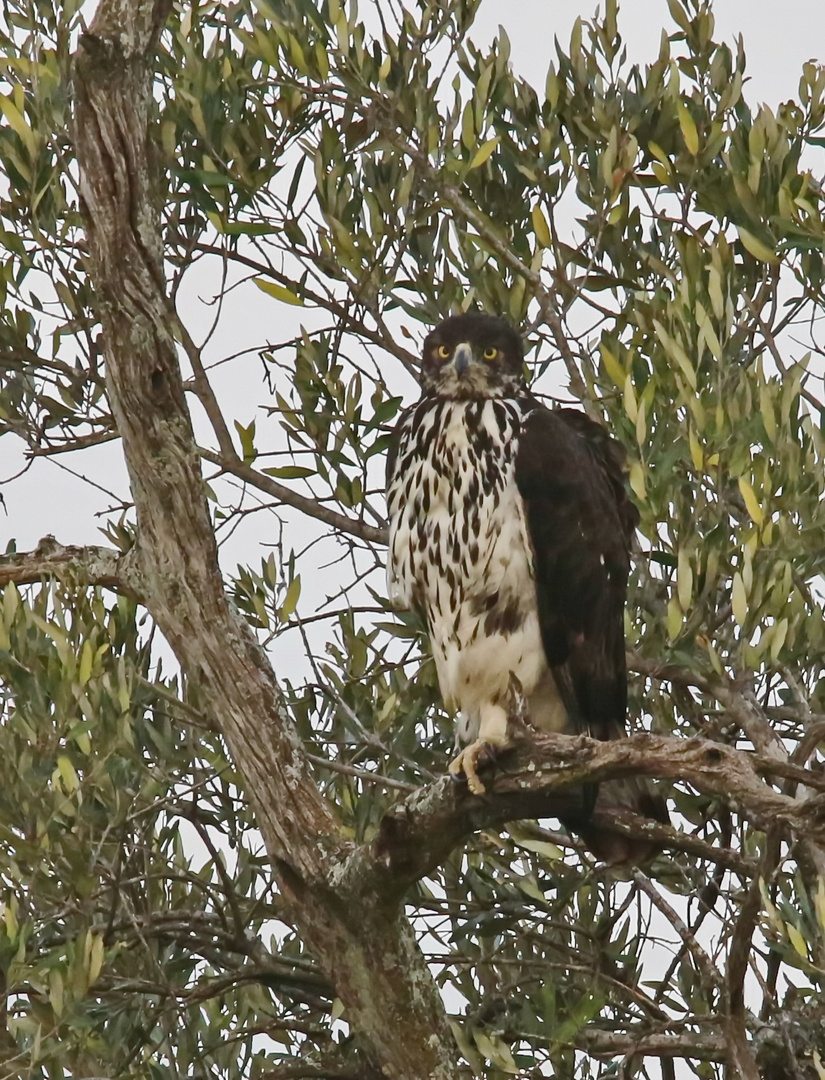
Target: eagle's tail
<point>551,708</point>
<point>616,848</point>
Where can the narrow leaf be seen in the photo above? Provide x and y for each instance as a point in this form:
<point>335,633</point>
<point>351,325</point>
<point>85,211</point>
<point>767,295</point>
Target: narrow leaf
<point>739,599</point>
<point>291,598</point>
<point>540,227</point>
<point>290,472</point>
<point>688,128</point>
<point>484,152</point>
<point>797,940</point>
<point>755,246</point>
<point>751,501</point>
<point>280,292</point>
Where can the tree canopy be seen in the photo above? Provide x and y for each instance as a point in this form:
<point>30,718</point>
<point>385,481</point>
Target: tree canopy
<point>226,845</point>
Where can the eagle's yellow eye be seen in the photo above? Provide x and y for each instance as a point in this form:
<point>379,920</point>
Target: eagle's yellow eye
<point>491,353</point>
<point>443,351</point>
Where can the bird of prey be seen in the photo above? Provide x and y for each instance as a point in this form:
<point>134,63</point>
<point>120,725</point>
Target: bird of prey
<point>510,533</point>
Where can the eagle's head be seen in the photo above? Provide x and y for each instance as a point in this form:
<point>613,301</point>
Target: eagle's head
<point>473,356</point>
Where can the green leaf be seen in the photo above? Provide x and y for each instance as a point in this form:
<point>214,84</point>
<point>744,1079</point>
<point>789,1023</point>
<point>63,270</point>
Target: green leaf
<point>18,123</point>
<point>676,352</point>
<point>797,940</point>
<point>756,248</point>
<point>247,437</point>
<point>289,472</point>
<point>56,991</point>
<point>684,578</point>
<point>95,955</point>
<point>751,501</point>
<point>540,227</point>
<point>205,176</point>
<point>541,847</point>
<point>484,151</point>
<point>636,479</point>
<point>291,599</point>
<point>688,127</point>
<point>614,368</point>
<point>674,618</point>
<point>68,776</point>
<point>84,670</point>
<point>280,292</point>
<point>739,599</point>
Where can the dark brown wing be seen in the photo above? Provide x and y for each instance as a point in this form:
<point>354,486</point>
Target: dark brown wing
<point>581,522</point>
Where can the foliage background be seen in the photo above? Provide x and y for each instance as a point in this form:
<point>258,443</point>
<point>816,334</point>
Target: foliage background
<point>351,182</point>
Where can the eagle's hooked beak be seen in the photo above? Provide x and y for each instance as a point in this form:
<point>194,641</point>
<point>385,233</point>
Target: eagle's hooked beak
<point>461,358</point>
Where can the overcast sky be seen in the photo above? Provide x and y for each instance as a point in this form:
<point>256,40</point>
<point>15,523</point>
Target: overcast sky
<point>779,36</point>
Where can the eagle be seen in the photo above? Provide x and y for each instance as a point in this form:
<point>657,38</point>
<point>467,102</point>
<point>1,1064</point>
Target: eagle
<point>510,530</point>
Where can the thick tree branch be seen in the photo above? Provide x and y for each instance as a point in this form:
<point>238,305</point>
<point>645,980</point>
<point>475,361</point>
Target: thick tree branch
<point>666,838</point>
<point>610,1044</point>
<point>176,548</point>
<point>79,565</point>
<point>533,778</point>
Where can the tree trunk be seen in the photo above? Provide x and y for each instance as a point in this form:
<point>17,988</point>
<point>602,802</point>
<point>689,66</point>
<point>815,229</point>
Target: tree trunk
<point>367,949</point>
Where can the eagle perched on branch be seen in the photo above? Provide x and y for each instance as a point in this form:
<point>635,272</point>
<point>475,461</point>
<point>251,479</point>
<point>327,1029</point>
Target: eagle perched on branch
<point>510,532</point>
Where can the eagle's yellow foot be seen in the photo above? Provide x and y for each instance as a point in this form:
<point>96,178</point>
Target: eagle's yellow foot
<point>477,753</point>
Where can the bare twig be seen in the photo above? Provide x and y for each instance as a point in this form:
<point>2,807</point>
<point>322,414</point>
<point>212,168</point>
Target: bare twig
<point>704,964</point>
<point>738,958</point>
<point>311,507</point>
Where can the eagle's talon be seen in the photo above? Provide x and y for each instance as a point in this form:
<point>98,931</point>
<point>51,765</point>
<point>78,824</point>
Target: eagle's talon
<point>478,754</point>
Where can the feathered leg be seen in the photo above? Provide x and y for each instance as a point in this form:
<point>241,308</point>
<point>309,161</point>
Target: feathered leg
<point>492,733</point>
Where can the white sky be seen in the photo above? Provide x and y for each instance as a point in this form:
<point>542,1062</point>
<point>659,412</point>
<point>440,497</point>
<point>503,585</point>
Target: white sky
<point>778,37</point>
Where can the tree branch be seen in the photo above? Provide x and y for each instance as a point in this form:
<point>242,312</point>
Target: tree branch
<point>176,548</point>
<point>80,565</point>
<point>609,1044</point>
<point>739,955</point>
<point>704,964</point>
<point>80,442</point>
<point>532,780</point>
<point>288,497</point>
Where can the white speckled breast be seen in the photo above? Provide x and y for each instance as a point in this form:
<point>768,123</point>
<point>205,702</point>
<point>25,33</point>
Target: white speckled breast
<point>460,551</point>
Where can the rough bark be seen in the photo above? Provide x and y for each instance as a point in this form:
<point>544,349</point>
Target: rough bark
<point>369,953</point>
<point>529,782</point>
<point>79,565</point>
